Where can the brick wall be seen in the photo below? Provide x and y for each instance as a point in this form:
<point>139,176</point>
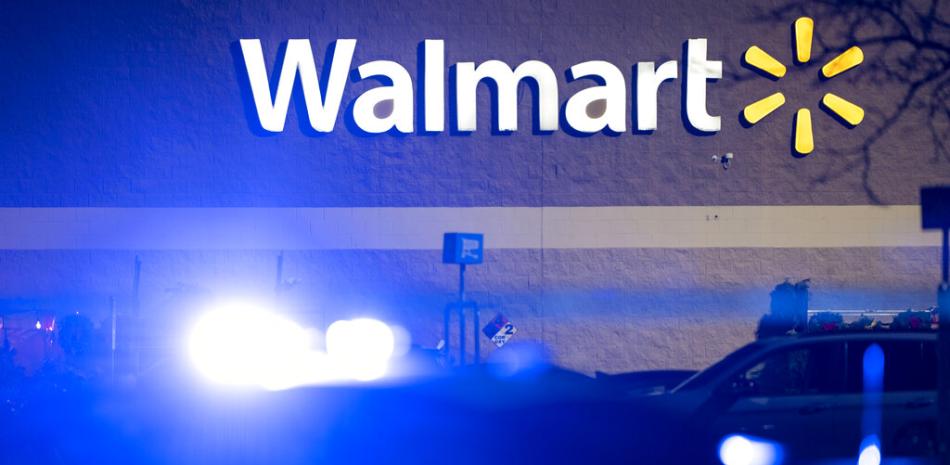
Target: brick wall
<point>139,104</point>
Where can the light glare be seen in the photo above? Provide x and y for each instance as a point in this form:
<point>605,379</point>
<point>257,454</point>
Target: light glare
<point>360,349</point>
<point>240,344</point>
<point>870,452</point>
<point>744,450</point>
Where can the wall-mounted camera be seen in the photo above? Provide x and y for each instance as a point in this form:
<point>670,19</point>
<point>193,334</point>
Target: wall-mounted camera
<point>724,160</point>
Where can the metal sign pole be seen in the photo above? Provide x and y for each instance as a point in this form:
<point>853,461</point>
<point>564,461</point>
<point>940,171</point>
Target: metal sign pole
<point>279,282</point>
<point>134,324</point>
<point>462,249</point>
<point>935,214</point>
<point>112,365</point>
<point>946,258</point>
<point>943,357</point>
<point>446,336</point>
<point>462,314</point>
<point>477,340</point>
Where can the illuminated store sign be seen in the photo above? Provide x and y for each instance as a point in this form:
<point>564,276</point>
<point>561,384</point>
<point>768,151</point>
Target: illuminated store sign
<point>850,114</point>
<point>323,104</point>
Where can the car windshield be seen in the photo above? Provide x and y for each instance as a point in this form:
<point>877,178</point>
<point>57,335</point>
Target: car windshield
<point>713,371</point>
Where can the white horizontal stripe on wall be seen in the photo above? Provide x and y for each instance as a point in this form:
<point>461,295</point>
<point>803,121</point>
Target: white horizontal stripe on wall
<point>422,228</point>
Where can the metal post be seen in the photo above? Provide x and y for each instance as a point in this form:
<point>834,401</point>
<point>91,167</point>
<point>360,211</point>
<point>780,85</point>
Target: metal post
<point>280,273</point>
<point>462,283</point>
<point>134,332</point>
<point>136,279</point>
<point>462,314</point>
<point>461,335</point>
<point>945,260</point>
<point>475,317</point>
<point>935,214</point>
<point>446,336</point>
<point>943,358</point>
<point>461,249</point>
<point>112,309</point>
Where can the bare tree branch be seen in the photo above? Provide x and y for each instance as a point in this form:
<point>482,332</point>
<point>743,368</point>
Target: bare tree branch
<point>912,44</point>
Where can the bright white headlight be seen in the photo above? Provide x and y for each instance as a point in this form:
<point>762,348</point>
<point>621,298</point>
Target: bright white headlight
<point>360,349</point>
<point>241,344</point>
<point>746,450</point>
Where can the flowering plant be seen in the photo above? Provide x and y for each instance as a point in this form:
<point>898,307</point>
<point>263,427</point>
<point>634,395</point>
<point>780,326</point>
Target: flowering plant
<point>825,321</point>
<point>912,320</point>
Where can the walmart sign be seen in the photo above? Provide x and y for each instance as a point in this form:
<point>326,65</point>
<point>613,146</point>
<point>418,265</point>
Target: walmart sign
<point>322,105</point>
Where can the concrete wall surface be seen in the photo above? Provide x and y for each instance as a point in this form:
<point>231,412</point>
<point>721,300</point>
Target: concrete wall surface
<point>128,129</point>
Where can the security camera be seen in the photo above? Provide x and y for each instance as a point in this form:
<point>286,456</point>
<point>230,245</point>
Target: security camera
<point>725,160</point>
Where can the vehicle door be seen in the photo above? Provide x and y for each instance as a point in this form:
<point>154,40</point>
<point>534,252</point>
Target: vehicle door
<point>903,413</point>
<point>787,397</point>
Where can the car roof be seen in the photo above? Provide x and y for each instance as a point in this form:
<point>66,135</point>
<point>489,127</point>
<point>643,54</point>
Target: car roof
<point>925,335</point>
<point>764,345</point>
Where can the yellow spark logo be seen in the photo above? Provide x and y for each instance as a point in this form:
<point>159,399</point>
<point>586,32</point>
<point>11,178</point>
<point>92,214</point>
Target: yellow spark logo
<point>761,60</point>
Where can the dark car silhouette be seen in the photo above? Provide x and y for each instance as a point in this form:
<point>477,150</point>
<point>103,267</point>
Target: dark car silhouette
<point>807,394</point>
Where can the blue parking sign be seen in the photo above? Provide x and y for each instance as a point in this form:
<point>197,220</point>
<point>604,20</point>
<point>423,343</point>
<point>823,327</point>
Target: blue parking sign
<point>463,248</point>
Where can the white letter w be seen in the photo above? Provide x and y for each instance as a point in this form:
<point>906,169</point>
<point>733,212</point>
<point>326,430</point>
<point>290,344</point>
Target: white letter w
<point>272,110</point>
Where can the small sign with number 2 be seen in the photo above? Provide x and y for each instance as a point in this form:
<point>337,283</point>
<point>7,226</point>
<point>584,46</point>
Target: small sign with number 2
<point>499,330</point>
